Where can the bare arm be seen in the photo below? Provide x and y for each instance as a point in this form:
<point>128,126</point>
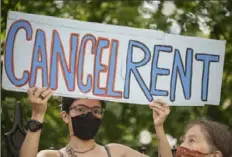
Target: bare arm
<point>160,112</point>
<point>31,143</point>
<point>163,145</point>
<point>39,106</point>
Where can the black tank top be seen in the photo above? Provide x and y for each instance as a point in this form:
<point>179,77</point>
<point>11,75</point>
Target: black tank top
<point>107,150</point>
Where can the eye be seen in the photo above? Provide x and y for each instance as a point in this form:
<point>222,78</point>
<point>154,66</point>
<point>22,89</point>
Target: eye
<point>97,111</point>
<point>80,109</point>
<point>192,140</point>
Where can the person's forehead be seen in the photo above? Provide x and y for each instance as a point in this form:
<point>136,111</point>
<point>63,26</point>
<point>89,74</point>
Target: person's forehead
<point>195,131</point>
<point>87,102</point>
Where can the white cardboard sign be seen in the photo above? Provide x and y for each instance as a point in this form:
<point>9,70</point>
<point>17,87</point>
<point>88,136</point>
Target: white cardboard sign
<point>115,63</point>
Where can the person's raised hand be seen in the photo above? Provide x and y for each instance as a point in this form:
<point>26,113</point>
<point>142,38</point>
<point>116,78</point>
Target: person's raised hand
<point>160,112</point>
<point>38,98</point>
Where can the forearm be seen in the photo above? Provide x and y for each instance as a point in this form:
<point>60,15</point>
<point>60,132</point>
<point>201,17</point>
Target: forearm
<point>31,143</point>
<point>163,145</point>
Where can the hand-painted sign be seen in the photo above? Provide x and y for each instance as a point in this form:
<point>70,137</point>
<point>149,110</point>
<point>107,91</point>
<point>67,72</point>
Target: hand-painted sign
<point>116,63</point>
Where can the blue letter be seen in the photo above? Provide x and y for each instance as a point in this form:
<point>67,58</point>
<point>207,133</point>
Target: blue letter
<point>206,59</point>
<point>59,56</point>
<point>84,87</point>
<point>112,71</point>
<point>9,50</point>
<point>131,67</point>
<point>158,71</point>
<point>185,75</point>
<point>39,50</point>
<point>98,67</point>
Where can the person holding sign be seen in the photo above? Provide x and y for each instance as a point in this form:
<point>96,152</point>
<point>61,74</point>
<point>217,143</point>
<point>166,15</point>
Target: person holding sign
<point>83,117</point>
<point>203,138</point>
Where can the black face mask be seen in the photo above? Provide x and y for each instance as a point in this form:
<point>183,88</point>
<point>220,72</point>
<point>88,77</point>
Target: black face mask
<point>85,127</point>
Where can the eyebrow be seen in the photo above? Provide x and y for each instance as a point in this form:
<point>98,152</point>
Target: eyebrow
<point>189,136</point>
<point>192,135</point>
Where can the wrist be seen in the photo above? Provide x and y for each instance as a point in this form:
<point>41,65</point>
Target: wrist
<point>159,127</point>
<point>159,130</point>
<point>38,117</point>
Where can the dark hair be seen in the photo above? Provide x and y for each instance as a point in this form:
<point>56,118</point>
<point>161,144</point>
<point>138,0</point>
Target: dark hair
<point>218,136</point>
<point>66,102</point>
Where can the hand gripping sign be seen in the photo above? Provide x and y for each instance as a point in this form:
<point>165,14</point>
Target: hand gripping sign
<point>115,63</point>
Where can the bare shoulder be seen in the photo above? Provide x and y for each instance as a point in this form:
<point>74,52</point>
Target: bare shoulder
<point>122,150</point>
<point>116,148</point>
<point>48,153</point>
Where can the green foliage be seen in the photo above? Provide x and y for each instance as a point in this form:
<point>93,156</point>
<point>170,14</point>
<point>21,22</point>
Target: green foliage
<point>123,123</point>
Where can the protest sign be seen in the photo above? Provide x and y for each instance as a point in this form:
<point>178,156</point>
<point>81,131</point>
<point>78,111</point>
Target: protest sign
<point>115,63</point>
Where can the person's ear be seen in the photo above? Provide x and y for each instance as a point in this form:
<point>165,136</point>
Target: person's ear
<point>218,154</point>
<point>64,116</point>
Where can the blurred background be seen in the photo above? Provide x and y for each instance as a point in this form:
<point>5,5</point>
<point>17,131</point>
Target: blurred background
<point>129,124</point>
